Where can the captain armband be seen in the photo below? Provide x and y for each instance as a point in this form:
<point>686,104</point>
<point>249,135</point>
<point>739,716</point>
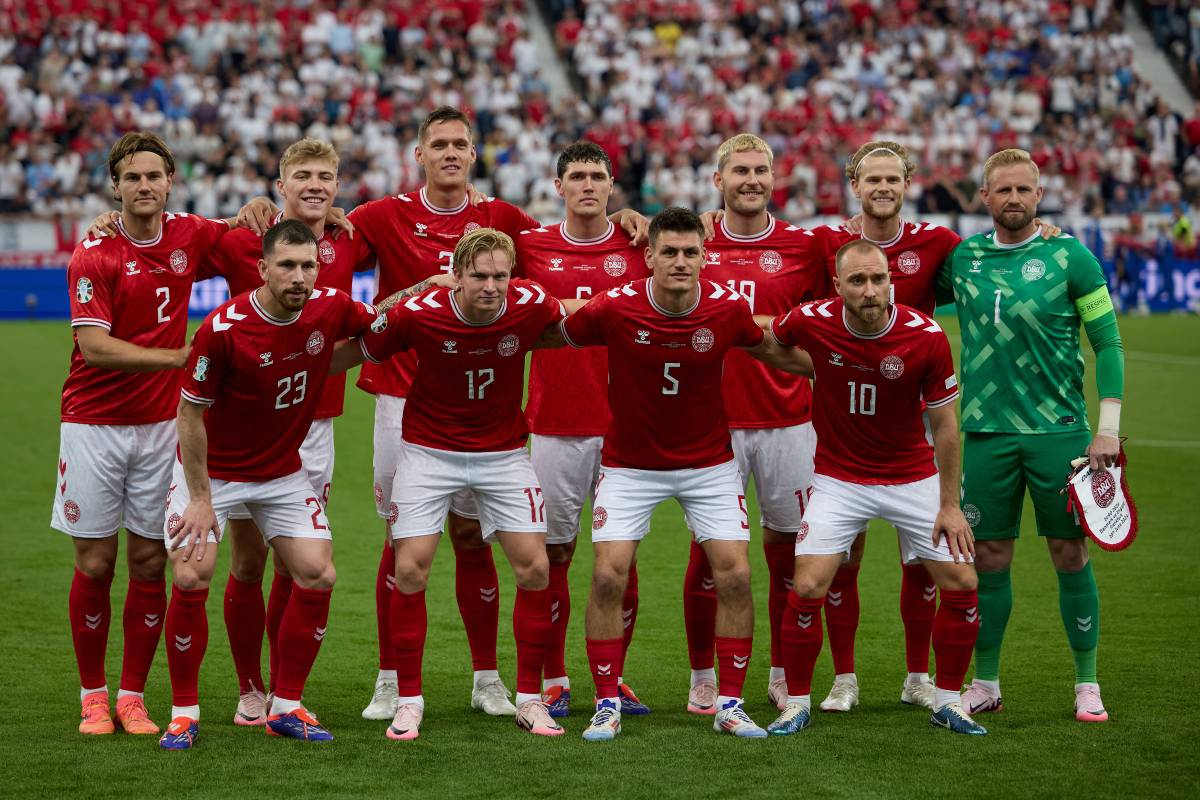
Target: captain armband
<point>1094,304</point>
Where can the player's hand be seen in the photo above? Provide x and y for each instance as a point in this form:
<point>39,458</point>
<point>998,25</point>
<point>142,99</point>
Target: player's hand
<point>446,280</point>
<point>1048,229</point>
<point>104,225</point>
<point>191,535</point>
<point>257,215</point>
<point>474,196</point>
<point>1103,451</point>
<point>181,356</point>
<point>710,220</point>
<point>634,224</point>
<point>953,525</point>
<point>853,226</point>
<point>338,219</point>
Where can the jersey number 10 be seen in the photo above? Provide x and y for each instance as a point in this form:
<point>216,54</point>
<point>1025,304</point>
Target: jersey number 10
<point>862,398</point>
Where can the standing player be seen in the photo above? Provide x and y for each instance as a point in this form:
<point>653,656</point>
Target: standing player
<point>667,337</point>
<point>877,364</point>
<point>464,432</point>
<point>1021,300</point>
<point>129,316</point>
<point>775,267</point>
<point>258,367</point>
<point>581,257</point>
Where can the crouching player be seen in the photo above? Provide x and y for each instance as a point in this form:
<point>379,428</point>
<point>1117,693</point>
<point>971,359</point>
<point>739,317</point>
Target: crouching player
<point>874,362</point>
<point>257,369</point>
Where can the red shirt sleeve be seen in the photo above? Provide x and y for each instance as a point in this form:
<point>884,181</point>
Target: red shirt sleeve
<point>387,334</point>
<point>207,363</point>
<point>357,317</point>
<point>513,220</point>
<point>586,326</point>
<point>788,328</point>
<point>90,286</point>
<point>746,332</point>
<point>939,385</point>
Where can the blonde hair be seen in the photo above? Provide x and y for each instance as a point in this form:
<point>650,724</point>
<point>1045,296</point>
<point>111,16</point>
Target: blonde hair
<point>482,240</point>
<point>743,143</point>
<point>1006,158</point>
<point>877,148</point>
<point>307,149</point>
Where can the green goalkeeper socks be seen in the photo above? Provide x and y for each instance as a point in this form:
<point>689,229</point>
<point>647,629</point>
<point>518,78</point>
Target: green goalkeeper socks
<point>995,604</point>
<point>1079,603</point>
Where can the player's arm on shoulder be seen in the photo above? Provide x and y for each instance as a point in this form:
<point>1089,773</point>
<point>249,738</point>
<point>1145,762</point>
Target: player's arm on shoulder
<point>1089,293</point>
<point>633,223</point>
<point>347,354</point>
<point>710,220</point>
<point>103,350</point>
<point>943,424</point>
<point>198,518</point>
<point>773,353</point>
<point>256,215</point>
<point>445,279</point>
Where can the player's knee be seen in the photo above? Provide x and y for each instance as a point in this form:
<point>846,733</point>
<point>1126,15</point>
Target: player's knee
<point>561,553</point>
<point>533,574</point>
<point>185,575</point>
<point>808,584</point>
<point>411,577</point>
<point>992,556</point>
<point>148,563</point>
<point>608,583</point>
<point>732,579</point>
<point>465,533</point>
<point>958,578</point>
<point>247,567</point>
<point>315,576</point>
<point>1068,555</point>
<point>96,558</point>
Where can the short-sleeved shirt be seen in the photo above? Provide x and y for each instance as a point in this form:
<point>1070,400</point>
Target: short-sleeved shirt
<point>568,388</point>
<point>664,373</point>
<point>236,256</point>
<point>466,395</point>
<point>413,239</point>
<point>868,392</point>
<point>774,270</point>
<point>915,258</point>
<point>262,377</point>
<point>1021,363</point>
<point>138,291</point>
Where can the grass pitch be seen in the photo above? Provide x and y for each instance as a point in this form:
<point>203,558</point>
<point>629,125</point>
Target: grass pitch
<point>1149,650</point>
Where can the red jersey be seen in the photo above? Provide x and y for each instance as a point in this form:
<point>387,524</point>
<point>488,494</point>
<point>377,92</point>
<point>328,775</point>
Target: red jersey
<point>235,258</point>
<point>664,373</point>
<point>466,395</point>
<point>262,378</point>
<point>774,270</point>
<point>869,390</point>
<point>412,240</point>
<point>568,388</point>
<point>915,256</point>
<point>138,291</point>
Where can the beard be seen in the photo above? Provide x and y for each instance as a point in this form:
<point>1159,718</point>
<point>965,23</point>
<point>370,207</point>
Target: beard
<point>290,301</point>
<point>1010,222</point>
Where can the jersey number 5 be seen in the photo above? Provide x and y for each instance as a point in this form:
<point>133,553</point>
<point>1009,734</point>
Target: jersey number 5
<point>672,386</point>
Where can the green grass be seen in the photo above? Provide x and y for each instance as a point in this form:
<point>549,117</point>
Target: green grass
<point>1149,650</point>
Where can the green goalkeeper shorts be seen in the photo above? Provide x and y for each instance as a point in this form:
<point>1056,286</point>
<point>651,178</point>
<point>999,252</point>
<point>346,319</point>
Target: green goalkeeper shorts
<point>997,467</point>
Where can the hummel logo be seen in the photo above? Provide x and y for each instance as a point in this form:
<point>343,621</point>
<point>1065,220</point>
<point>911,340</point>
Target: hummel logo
<point>93,620</point>
<point>420,229</point>
<point>320,634</point>
<point>1083,623</point>
<point>804,620</point>
<point>265,358</point>
<point>604,669</point>
<point>834,598</point>
<point>708,584</point>
<point>975,265</point>
<point>488,595</point>
<point>740,662</point>
<point>152,620</point>
<point>183,643</point>
<point>449,347</point>
<point>627,617</point>
<point>556,265</point>
<point>929,593</point>
<point>972,614</point>
<point>836,359</point>
<point>643,337</point>
<point>131,268</point>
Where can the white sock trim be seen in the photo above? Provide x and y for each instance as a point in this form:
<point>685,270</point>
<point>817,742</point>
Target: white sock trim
<point>486,676</point>
<point>85,692</point>
<point>191,712</point>
<point>699,675</point>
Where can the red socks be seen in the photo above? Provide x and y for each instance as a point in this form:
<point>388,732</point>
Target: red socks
<point>801,638</point>
<point>699,608</point>
<point>781,565</point>
<point>277,603</point>
<point>733,657</point>
<point>409,627</point>
<point>385,583</point>
<point>187,639</point>
<point>918,604</point>
<point>531,627</point>
<point>89,610</point>
<point>604,657</point>
<point>955,629</point>
<point>245,621</point>
<point>560,615</point>
<point>629,609</point>
<point>841,616</point>
<point>477,588</point>
<point>300,635</point>
<point>145,605</point>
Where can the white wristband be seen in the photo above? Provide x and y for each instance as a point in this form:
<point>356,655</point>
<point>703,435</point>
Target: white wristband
<point>1109,423</point>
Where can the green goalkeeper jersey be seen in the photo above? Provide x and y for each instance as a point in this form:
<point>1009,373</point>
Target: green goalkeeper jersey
<point>1020,308</point>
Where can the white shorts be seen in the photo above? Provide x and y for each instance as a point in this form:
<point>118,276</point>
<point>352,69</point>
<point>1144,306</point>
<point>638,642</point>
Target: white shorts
<point>285,506</point>
<point>838,511</point>
<point>567,467</point>
<point>111,476</point>
<point>711,497</point>
<point>503,486</point>
<point>316,459</point>
<point>781,461</point>
<point>389,414</point>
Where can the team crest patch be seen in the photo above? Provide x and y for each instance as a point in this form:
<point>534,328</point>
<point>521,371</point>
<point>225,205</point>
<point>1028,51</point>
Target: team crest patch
<point>173,522</point>
<point>891,367</point>
<point>599,517</point>
<point>178,260</point>
<point>393,513</point>
<point>509,345</point>
<point>378,496</point>
<point>972,514</point>
<point>1104,489</point>
<point>615,265</point>
<point>83,290</point>
<point>1033,269</point>
<point>315,343</point>
<point>201,370</point>
<point>471,226</point>
<point>770,261</point>
<point>325,251</point>
<point>71,511</point>
<point>380,324</point>
<point>802,534</point>
<point>702,340</point>
<point>908,262</point>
